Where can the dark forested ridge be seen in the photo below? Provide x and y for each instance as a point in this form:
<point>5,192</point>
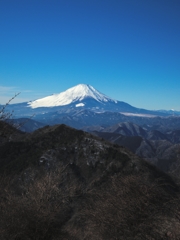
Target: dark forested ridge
<point>62,183</point>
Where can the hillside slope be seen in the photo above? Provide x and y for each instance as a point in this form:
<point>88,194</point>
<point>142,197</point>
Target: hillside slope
<point>161,149</point>
<point>62,183</point>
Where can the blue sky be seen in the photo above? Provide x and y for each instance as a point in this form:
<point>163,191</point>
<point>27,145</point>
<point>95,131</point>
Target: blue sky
<point>127,49</point>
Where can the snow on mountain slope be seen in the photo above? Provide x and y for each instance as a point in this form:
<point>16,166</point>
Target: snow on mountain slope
<point>74,94</point>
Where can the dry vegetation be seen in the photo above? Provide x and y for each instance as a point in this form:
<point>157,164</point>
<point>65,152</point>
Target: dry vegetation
<point>60,183</point>
<point>117,207</point>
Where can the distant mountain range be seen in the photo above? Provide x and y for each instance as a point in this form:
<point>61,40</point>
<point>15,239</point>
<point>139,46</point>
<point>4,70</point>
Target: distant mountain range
<point>79,98</point>
<point>83,106</point>
<point>161,149</point>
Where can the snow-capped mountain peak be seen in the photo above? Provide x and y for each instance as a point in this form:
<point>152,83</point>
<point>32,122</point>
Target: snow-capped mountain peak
<point>74,94</point>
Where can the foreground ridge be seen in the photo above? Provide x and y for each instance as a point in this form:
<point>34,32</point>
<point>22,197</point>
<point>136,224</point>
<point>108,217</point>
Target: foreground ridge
<point>62,183</point>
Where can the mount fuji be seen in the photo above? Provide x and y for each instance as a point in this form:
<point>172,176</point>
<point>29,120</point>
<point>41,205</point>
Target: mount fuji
<point>83,106</point>
<point>78,95</point>
<point>79,98</point>
<point>84,96</point>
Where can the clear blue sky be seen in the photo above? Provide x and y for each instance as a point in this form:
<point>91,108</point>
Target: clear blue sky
<point>127,49</point>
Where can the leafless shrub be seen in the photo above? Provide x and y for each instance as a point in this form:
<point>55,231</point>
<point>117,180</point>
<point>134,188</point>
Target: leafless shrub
<point>36,214</point>
<point>7,115</point>
<point>6,129</point>
<point>127,208</point>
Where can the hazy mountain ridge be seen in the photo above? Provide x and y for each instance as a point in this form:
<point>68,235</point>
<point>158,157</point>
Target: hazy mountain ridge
<point>162,149</point>
<point>25,124</point>
<point>131,129</point>
<point>83,119</point>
